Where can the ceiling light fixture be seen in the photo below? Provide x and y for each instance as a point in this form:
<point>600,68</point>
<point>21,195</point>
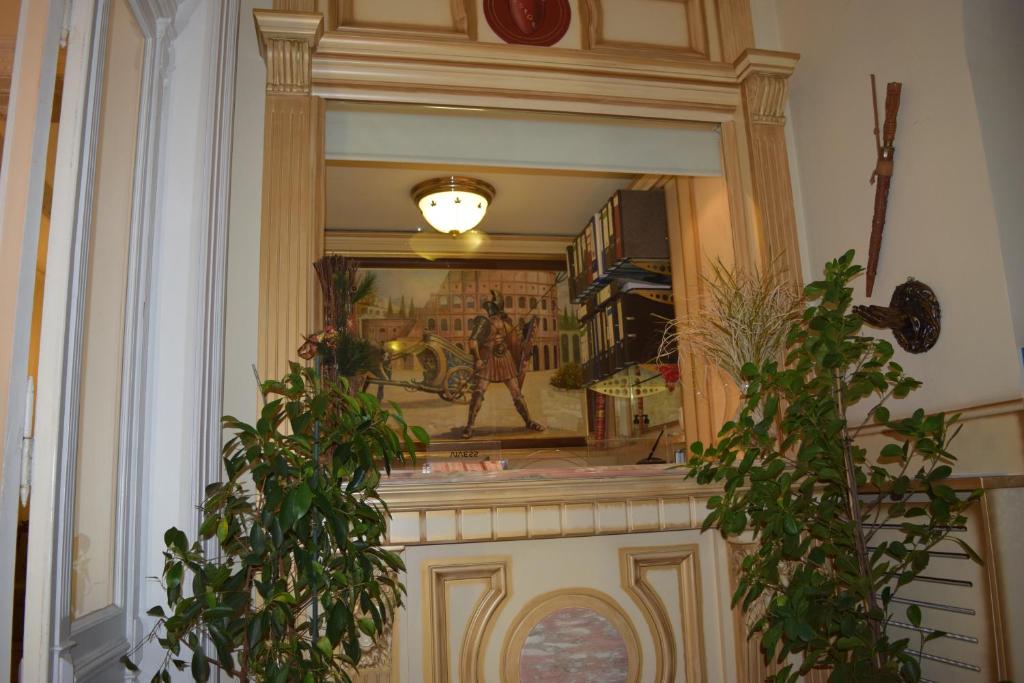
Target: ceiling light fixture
<point>453,205</point>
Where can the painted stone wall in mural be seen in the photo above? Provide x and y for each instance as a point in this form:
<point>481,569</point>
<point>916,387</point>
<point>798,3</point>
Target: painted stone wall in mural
<point>471,352</point>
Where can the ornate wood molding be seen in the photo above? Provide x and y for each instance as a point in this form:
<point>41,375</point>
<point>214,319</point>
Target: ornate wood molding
<point>735,28</point>
<point>763,77</point>
<point>467,508</point>
<point>287,42</point>
<point>292,224</point>
<point>766,98</point>
<point>494,572</point>
<point>739,95</point>
<point>385,68</point>
<point>296,5</point>
<point>635,564</point>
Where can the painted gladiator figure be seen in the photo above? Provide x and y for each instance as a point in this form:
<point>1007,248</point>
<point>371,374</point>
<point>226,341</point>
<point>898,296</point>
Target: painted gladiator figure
<point>500,351</point>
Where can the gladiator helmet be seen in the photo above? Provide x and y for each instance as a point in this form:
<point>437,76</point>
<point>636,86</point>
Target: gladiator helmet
<point>494,305</point>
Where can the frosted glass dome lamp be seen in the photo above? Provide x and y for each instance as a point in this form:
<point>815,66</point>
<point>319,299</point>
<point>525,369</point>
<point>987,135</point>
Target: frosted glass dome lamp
<point>453,205</point>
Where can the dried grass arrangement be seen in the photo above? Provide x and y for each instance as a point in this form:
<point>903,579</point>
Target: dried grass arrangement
<point>743,318</point>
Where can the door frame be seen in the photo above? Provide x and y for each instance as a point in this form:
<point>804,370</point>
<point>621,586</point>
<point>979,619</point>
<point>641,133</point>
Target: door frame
<point>57,648</point>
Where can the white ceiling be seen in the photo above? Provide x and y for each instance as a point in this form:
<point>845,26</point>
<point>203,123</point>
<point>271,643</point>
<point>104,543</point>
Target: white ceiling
<point>375,196</point>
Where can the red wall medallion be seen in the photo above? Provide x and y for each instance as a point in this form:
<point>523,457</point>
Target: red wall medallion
<point>528,22</point>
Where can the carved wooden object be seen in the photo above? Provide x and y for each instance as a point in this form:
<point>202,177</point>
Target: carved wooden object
<point>913,315</point>
<point>883,174</point>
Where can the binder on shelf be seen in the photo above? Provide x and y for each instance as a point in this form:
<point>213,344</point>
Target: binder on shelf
<point>616,241</point>
<point>627,238</point>
<point>627,330</point>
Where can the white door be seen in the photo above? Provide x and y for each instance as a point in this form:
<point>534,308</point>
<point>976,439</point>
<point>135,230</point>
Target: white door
<point>22,181</point>
<point>83,565</point>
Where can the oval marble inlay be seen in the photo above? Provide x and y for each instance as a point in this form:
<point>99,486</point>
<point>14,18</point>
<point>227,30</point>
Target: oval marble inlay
<point>574,645</point>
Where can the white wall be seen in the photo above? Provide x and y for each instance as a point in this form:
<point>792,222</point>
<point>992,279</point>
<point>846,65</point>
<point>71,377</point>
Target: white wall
<point>240,394</point>
<point>943,225</point>
<point>183,226</point>
<point>994,41</point>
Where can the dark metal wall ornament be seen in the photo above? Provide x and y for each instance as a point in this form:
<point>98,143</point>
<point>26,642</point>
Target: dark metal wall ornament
<point>913,315</point>
<point>882,175</point>
<point>529,22</point>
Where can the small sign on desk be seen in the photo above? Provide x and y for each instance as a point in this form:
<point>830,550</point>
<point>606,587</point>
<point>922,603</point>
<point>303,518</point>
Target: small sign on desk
<point>462,456</point>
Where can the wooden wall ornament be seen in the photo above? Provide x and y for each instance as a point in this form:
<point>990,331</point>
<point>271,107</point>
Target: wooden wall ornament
<point>913,315</point>
<point>882,175</point>
<point>528,22</point>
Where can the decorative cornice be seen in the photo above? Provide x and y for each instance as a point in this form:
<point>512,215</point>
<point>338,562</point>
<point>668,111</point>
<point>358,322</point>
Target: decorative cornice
<point>764,77</point>
<point>287,42</point>
<point>766,98</point>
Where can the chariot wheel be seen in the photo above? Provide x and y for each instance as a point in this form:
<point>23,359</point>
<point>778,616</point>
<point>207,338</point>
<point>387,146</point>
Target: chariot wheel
<point>456,385</point>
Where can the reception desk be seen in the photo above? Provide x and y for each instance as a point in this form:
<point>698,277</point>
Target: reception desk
<point>602,574</point>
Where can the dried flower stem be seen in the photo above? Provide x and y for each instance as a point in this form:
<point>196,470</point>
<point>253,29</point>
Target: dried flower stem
<point>742,318</point>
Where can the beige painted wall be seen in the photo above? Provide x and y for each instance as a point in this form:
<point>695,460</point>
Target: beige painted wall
<point>544,569</point>
<point>951,222</point>
<point>942,226</point>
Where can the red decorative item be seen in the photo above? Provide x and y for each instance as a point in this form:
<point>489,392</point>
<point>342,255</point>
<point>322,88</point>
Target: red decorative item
<point>528,22</point>
<point>670,373</point>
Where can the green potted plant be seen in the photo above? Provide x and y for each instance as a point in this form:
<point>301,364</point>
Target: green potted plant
<point>289,571</point>
<point>820,581</point>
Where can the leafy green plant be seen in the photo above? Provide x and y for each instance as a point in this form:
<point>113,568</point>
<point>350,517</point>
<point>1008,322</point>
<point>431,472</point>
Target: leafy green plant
<point>299,572</point>
<point>837,534</point>
<point>339,346</point>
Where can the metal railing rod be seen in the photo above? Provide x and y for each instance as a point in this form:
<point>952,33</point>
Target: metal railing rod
<point>934,605</point>
<point>925,629</point>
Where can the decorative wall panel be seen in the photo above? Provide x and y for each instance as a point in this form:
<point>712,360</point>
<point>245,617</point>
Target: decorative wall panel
<point>451,19</point>
<point>666,27</point>
<point>445,651</point>
<point>638,565</point>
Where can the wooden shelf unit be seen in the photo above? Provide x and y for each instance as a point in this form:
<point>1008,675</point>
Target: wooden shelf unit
<point>627,239</point>
<point>620,280</point>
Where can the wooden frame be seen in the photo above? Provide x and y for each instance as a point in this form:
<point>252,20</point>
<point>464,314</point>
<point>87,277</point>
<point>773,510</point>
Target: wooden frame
<point>493,572</point>
<point>392,252</point>
<point>103,633</point>
<point>726,88</point>
<point>684,560</point>
<point>593,36</point>
<point>60,648</point>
